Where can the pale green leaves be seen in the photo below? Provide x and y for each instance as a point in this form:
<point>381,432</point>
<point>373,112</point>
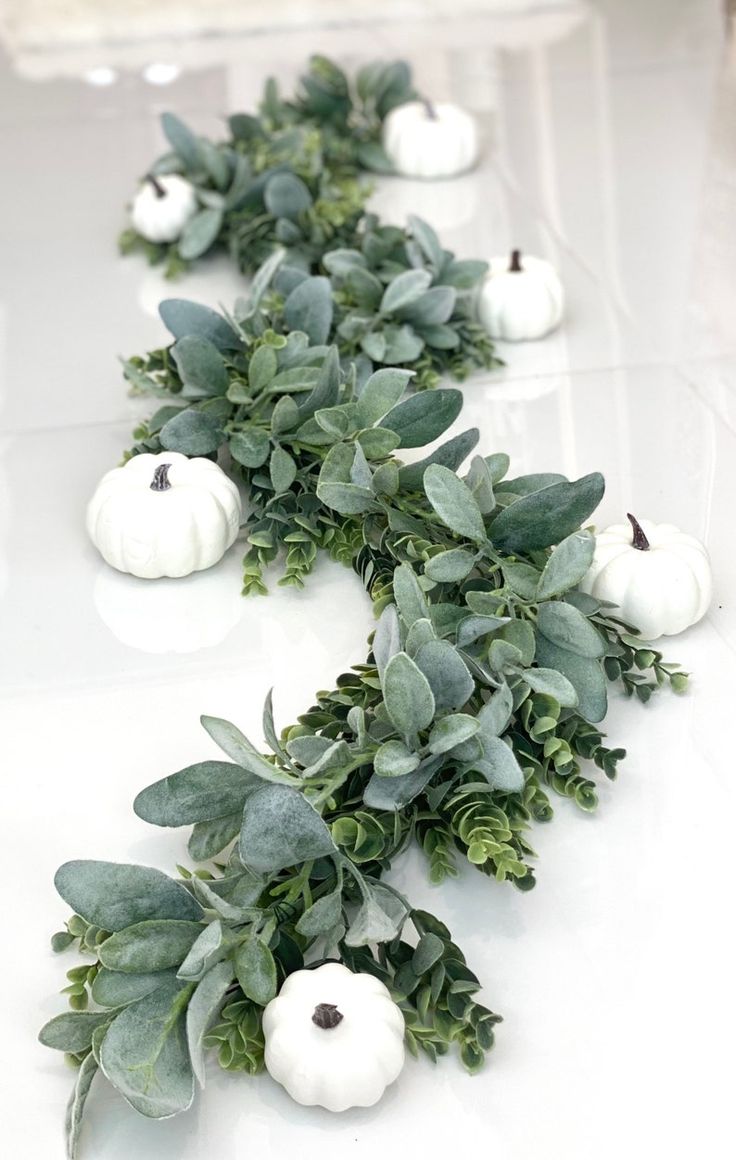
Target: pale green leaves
<point>423,417</point>
<point>255,970</point>
<point>201,367</point>
<point>447,674</point>
<point>454,503</point>
<point>345,480</point>
<point>149,946</point>
<point>202,1010</point>
<point>394,759</point>
<point>408,696</point>
<point>200,233</point>
<point>191,433</point>
<point>145,1055</point>
<point>567,627</point>
<point>499,766</point>
<point>114,895</point>
<point>309,308</point>
<point>404,289</point>
<point>451,731</point>
<point>281,828</point>
<point>380,917</point>
<point>450,566</point>
<point>72,1031</point>
<point>382,391</point>
<point>567,565</point>
<point>241,750</point>
<point>322,916</point>
<point>201,792</point>
<point>287,196</point>
<point>183,319</point>
<point>75,1107</point>
<point>547,516</point>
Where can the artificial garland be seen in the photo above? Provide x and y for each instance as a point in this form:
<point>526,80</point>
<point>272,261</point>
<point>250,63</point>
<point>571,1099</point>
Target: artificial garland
<point>483,690</point>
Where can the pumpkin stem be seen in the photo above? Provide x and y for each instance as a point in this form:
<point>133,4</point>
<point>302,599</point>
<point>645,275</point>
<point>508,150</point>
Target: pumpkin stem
<point>515,266</point>
<point>429,108</point>
<point>639,541</point>
<point>327,1016</point>
<point>158,187</point>
<point>160,481</point>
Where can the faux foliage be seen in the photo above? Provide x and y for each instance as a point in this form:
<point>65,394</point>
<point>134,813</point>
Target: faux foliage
<point>480,699</point>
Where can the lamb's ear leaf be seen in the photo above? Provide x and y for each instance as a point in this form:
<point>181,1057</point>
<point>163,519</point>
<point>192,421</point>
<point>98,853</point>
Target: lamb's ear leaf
<point>182,318</point>
<point>113,895</point>
<point>309,308</point>
<point>281,828</point>
<point>425,416</point>
<point>454,503</point>
<point>237,746</point>
<point>77,1100</point>
<point>202,1010</point>
<point>567,564</point>
<point>145,1055</point>
<point>546,516</point>
<point>450,454</point>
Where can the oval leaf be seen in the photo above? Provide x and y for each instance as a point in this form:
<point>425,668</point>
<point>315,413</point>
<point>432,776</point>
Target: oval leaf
<point>113,895</point>
<point>454,503</point>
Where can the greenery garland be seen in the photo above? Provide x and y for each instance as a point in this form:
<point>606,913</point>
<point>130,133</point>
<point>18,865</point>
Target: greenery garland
<point>480,697</point>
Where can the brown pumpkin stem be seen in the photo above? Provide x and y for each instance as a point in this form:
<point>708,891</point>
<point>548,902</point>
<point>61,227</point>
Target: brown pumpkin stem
<point>327,1016</point>
<point>158,187</point>
<point>515,266</point>
<point>639,541</point>
<point>429,108</point>
<point>160,481</point>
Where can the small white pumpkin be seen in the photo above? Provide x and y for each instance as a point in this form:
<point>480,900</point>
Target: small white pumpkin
<point>522,298</point>
<point>658,576</point>
<point>423,139</point>
<point>334,1038</point>
<point>162,207</point>
<point>164,515</point>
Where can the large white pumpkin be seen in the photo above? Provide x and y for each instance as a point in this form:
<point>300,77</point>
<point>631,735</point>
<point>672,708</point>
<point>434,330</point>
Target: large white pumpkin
<point>658,576</point>
<point>163,206</point>
<point>423,139</point>
<point>522,298</point>
<point>164,515</point>
<point>334,1038</point>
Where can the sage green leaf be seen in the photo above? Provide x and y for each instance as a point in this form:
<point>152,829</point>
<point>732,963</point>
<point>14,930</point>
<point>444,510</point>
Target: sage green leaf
<point>119,988</point>
<point>552,683</point>
<point>377,442</point>
<point>211,900</point>
<point>182,140</point>
<point>585,674</point>
<point>326,390</point>
<point>281,828</point>
<point>480,482</point>
<point>451,731</point>
<point>498,465</point>
<point>153,945</point>
<point>522,579</point>
<point>250,447</point>
<point>75,1108</point>
<point>379,918</point>
<point>203,1008</point>
<point>322,916</point>
<point>447,673</point>
<point>394,759</point>
<point>503,655</point>
<point>495,715</point>
<point>255,969</point>
<point>513,489</point>
<point>454,503</point>
<point>309,308</point>
<point>520,634</point>
<point>286,195</point>
<point>450,454</point>
<point>427,240</point>
<point>373,344</point>
<point>207,949</point>
<point>567,565</point>
<point>360,472</point>
<point>72,1031</point>
<point>282,470</point>
<point>432,308</point>
<point>429,950</point>
<point>346,498</point>
<point>386,639</point>
<point>237,746</point>
<point>408,594</point>
<point>450,566</point>
<point>262,367</point>
<point>113,895</point>
<point>199,233</point>
<point>341,262</point>
<point>567,627</point>
<point>308,748</point>
<point>499,766</point>
<point>408,695</point>
<point>183,318</point>
<point>334,757</point>
<point>201,792</point>
<point>192,433</point>
<point>545,517</point>
<point>284,416</point>
<point>393,793</point>
<point>403,344</point>
<point>381,392</point>
<point>420,632</point>
<point>208,838</point>
<point>200,365</point>
<point>404,288</point>
<point>386,479</point>
<point>472,628</point>
<point>423,417</point>
<point>144,1054</point>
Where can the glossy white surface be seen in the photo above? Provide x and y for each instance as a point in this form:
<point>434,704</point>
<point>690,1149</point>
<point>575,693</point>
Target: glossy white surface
<point>608,149</point>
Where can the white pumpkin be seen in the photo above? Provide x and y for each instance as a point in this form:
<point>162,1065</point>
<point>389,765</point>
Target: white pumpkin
<point>522,298</point>
<point>164,515</point>
<point>163,206</point>
<point>334,1038</point>
<point>423,139</point>
<point>658,576</point>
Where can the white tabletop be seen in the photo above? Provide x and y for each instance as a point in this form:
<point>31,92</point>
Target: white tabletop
<point>610,150</point>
